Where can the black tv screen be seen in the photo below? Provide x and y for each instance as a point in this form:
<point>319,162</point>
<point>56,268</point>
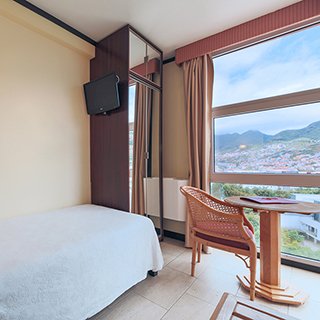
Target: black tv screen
<point>102,95</point>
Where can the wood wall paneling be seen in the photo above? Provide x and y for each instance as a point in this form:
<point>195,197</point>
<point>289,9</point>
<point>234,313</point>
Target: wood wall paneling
<point>109,138</point>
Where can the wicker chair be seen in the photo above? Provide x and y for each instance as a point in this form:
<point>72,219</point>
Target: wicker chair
<point>216,224</point>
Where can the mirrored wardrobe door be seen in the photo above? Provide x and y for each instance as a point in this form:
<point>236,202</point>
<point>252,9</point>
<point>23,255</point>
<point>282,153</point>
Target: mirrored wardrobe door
<point>144,149</point>
<point>139,136</point>
<point>145,123</point>
<point>153,64</point>
<point>138,54</point>
<point>152,181</point>
<point>145,59</point>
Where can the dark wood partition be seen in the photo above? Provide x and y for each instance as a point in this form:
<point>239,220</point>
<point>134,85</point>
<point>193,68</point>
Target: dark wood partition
<point>109,138</point>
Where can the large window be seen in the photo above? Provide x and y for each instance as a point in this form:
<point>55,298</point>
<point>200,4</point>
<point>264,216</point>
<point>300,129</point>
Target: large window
<point>266,127</point>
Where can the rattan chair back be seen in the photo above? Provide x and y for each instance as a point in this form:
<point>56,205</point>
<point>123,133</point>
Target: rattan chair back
<point>212,215</point>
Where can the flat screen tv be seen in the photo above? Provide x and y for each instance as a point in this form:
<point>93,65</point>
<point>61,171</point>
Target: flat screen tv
<point>102,95</point>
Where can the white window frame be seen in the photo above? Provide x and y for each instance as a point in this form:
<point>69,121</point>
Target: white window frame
<point>282,101</point>
<point>294,180</point>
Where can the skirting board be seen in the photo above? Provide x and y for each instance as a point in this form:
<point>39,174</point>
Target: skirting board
<point>172,235</point>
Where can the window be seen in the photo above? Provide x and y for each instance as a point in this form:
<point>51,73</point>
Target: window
<point>285,140</point>
<point>132,93</point>
<point>266,127</point>
<point>300,233</point>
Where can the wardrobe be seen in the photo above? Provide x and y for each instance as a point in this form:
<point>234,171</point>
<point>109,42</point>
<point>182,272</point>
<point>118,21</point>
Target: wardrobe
<point>126,146</point>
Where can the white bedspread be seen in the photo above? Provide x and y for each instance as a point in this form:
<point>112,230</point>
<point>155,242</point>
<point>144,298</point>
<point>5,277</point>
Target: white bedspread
<point>71,263</point>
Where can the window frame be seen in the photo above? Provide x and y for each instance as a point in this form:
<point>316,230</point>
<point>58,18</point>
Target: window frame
<point>276,102</point>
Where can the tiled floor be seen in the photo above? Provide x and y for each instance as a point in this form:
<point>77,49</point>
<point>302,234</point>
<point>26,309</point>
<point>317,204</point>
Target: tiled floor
<point>175,295</point>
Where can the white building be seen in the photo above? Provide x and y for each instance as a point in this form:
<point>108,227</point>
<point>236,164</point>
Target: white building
<point>308,224</point>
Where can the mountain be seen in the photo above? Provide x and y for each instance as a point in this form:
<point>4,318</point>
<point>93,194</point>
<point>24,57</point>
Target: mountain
<point>249,138</point>
<point>312,131</point>
<point>255,137</point>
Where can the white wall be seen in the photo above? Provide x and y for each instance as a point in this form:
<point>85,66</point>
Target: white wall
<point>44,140</point>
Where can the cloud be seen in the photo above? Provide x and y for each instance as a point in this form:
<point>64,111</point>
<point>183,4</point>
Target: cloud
<point>279,66</point>
<point>283,65</point>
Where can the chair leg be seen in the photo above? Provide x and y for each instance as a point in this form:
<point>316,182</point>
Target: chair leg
<point>253,265</point>
<point>199,252</point>
<point>193,261</point>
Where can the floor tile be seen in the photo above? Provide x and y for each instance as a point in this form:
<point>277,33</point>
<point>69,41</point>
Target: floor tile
<point>307,281</point>
<point>172,248</point>
<point>183,263</point>
<point>286,273</point>
<point>122,297</point>
<point>170,251</point>
<point>220,279</point>
<point>200,290</point>
<point>177,243</point>
<point>227,262</point>
<point>166,288</point>
<point>167,258</point>
<point>174,294</point>
<point>309,310</point>
<point>133,307</point>
<point>211,285</point>
<point>189,308</point>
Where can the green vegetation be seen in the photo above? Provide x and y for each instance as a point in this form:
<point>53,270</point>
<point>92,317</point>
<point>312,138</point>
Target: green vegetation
<point>238,190</point>
<point>292,245</point>
<point>292,241</point>
<point>254,219</point>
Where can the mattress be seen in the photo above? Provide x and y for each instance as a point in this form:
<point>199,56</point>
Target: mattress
<point>73,262</point>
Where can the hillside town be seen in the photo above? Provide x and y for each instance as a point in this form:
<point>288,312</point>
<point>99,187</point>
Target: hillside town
<point>296,156</point>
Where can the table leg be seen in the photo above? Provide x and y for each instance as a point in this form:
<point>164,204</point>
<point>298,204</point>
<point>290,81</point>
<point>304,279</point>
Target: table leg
<point>270,249</point>
<point>270,286</point>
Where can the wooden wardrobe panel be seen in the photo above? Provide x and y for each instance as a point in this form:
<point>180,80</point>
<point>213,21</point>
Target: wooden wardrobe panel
<point>109,138</point>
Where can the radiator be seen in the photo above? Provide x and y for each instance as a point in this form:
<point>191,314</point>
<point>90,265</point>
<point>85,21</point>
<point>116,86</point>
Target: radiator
<point>174,203</point>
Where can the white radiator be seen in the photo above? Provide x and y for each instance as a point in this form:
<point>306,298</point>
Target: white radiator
<point>174,203</point>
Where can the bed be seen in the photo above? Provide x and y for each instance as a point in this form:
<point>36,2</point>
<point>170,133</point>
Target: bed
<point>69,264</point>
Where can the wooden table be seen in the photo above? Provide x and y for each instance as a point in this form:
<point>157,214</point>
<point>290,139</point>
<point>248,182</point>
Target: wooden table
<point>270,286</point>
<point>232,308</point>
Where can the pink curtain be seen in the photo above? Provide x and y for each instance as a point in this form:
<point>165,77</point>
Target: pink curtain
<point>198,85</point>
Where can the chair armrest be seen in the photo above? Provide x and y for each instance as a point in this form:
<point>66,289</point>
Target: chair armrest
<point>246,222</point>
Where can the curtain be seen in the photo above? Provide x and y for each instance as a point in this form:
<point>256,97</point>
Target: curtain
<point>141,134</point>
<point>198,86</point>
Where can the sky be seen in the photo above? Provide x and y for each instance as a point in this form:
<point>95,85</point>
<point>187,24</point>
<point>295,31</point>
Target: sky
<point>132,91</point>
<point>283,65</point>
<point>271,121</point>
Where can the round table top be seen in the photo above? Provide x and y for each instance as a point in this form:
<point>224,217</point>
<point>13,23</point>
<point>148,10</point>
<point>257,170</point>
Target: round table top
<point>299,207</point>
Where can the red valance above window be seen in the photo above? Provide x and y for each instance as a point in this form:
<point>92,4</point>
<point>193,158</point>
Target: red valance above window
<point>280,21</point>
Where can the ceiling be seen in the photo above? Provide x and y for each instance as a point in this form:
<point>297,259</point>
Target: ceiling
<point>169,24</point>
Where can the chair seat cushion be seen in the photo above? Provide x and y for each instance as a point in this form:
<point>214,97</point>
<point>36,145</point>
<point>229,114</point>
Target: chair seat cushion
<point>227,242</point>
